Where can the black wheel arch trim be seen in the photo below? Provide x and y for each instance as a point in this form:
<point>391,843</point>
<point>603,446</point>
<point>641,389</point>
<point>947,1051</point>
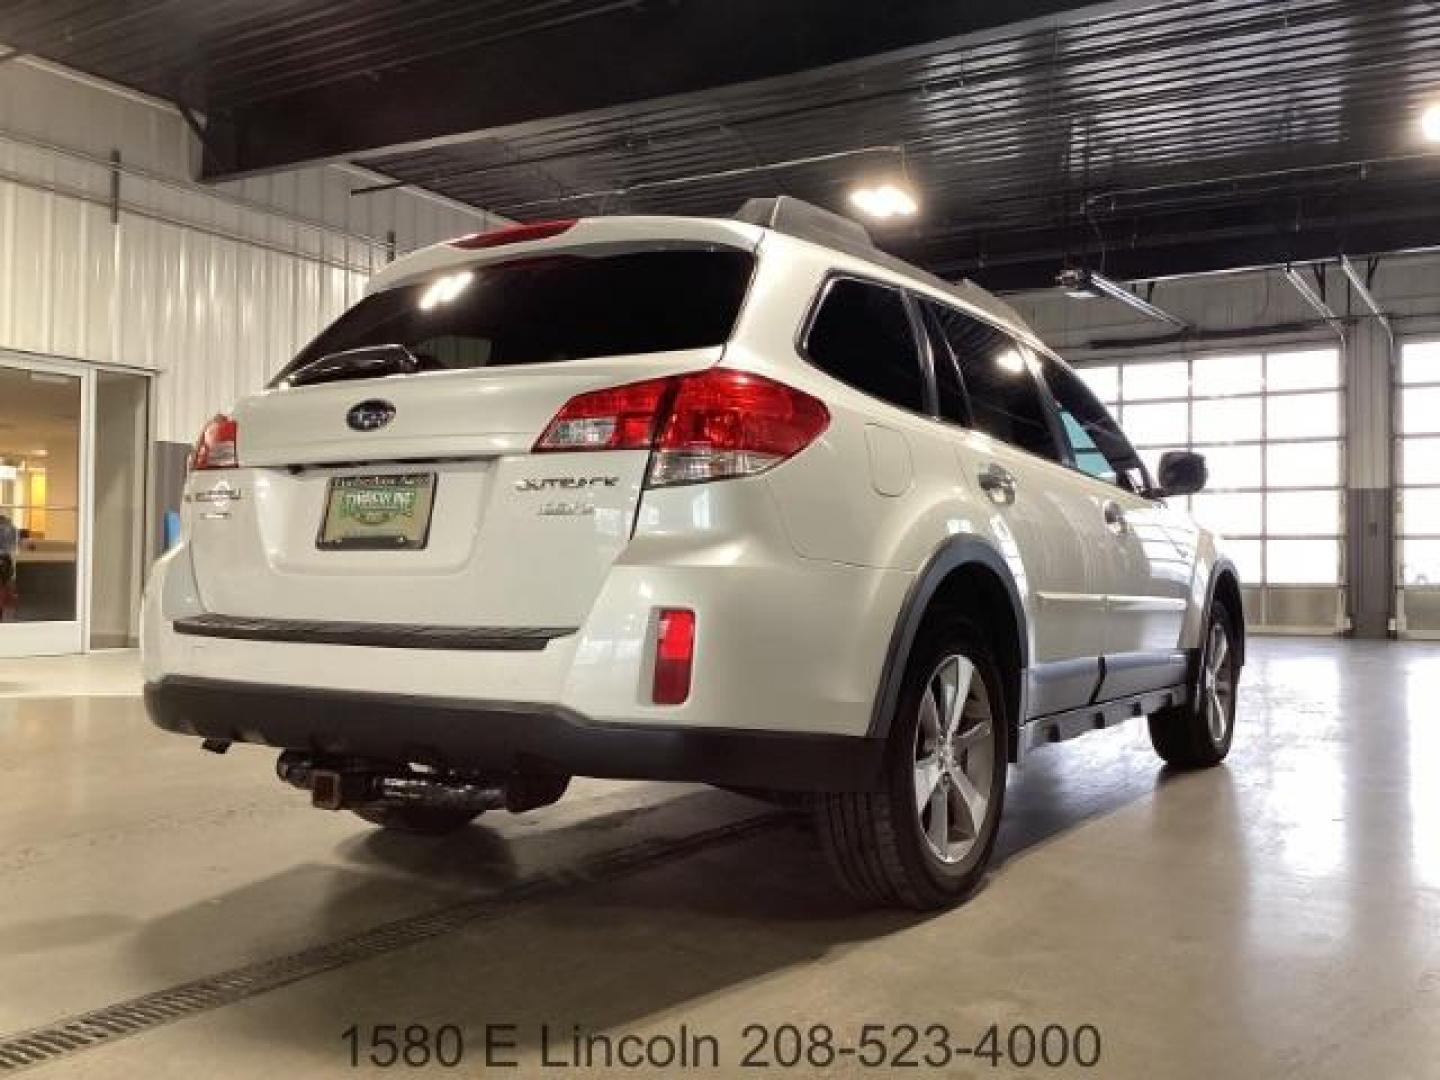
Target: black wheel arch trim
<point>957,552</point>
<point>1222,567</point>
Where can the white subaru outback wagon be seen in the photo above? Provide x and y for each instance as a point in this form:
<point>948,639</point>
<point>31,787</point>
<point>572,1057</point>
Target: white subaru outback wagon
<point>744,502</point>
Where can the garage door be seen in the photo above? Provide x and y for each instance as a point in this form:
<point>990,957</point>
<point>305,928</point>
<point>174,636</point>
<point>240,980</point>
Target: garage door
<point>1270,424</point>
<point>1418,458</point>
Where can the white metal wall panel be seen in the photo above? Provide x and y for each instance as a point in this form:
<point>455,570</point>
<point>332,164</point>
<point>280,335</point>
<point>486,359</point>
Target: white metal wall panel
<point>214,287</point>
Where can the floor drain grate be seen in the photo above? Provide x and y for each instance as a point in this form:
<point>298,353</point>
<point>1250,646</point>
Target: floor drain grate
<point>74,1034</point>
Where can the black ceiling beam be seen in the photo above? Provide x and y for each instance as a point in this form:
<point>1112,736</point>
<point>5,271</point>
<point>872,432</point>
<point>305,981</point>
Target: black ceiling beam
<point>642,51</point>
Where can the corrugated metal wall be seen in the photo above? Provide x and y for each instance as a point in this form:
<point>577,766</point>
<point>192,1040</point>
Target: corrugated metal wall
<point>213,287</point>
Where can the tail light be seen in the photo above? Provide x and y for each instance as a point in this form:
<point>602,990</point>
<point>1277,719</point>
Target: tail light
<point>674,656</point>
<point>218,446</point>
<point>712,425</point>
<point>514,234</point>
<point>618,418</point>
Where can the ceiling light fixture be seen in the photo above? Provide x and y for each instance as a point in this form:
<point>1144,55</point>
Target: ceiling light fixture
<point>1087,285</point>
<point>884,201</point>
<point>1430,123</point>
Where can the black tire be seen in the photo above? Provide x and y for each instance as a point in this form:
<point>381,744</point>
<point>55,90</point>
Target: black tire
<point>874,840</point>
<point>1184,736</point>
<point>419,820</point>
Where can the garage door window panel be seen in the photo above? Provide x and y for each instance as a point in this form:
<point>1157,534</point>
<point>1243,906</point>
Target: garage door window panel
<point>1302,416</point>
<point>1163,424</point>
<point>1303,562</point>
<point>1233,514</point>
<point>1303,513</point>
<point>1228,420</point>
<point>1233,468</point>
<point>1156,381</point>
<point>1104,383</point>
<point>1228,376</point>
<point>1303,465</point>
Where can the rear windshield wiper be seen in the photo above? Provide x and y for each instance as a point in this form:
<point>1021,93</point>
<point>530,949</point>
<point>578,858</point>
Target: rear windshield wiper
<point>369,362</point>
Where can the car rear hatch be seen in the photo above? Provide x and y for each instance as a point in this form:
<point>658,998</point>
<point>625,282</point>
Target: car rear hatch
<point>389,475</point>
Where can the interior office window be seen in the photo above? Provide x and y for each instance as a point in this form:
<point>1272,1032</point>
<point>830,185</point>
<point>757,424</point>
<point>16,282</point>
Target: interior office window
<point>1095,439</point>
<point>862,336</point>
<point>999,378</point>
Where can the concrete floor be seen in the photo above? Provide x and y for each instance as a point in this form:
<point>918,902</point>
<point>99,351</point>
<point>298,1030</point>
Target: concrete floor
<point>1276,917</point>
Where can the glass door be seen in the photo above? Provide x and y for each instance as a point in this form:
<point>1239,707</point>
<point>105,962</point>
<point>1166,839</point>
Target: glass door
<point>44,500</point>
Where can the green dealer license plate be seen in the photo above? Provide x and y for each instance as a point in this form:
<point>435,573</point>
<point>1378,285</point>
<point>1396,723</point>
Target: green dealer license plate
<point>378,513</point>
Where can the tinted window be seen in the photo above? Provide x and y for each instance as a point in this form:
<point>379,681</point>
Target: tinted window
<point>548,310</point>
<point>1099,447</point>
<point>1003,395</point>
<point>862,336</point>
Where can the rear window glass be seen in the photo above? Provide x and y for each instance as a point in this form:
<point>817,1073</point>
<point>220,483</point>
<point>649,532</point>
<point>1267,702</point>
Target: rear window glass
<point>542,310</point>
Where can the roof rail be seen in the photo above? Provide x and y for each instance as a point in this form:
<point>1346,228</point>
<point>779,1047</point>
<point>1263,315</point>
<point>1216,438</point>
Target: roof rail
<point>795,217</point>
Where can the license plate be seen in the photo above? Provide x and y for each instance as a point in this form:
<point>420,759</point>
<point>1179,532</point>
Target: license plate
<point>378,513</point>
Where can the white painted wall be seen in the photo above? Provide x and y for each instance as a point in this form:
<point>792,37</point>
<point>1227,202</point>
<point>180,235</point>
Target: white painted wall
<point>214,287</point>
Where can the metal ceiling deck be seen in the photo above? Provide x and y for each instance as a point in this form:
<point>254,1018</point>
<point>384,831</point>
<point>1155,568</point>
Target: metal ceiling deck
<point>1121,134</point>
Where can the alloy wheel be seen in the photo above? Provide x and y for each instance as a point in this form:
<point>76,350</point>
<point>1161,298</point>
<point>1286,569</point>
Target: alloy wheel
<point>1217,683</point>
<point>954,759</point>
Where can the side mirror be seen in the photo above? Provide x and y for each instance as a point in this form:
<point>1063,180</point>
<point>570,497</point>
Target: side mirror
<point>1182,472</point>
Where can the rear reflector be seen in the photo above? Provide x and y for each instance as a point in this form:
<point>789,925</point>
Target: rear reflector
<point>674,656</point>
<point>217,447</point>
<point>711,425</point>
<point>514,234</point>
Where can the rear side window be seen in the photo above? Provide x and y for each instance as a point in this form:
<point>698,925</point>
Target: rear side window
<point>862,336</point>
<point>546,310</point>
<point>999,380</point>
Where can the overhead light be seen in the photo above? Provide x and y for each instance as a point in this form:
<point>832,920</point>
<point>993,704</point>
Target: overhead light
<point>1087,285</point>
<point>1430,123</point>
<point>884,201</point>
<point>445,289</point>
<point>1010,360</point>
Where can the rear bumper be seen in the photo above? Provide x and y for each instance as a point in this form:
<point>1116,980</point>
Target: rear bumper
<point>508,736</point>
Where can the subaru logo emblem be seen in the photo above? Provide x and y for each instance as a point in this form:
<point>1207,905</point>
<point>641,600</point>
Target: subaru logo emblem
<point>370,415</point>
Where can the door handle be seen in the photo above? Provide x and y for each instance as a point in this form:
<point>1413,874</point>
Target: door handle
<point>999,483</point>
<point>1115,518</point>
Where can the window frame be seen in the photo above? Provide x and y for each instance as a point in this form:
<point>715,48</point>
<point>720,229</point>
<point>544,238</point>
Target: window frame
<point>833,277</point>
